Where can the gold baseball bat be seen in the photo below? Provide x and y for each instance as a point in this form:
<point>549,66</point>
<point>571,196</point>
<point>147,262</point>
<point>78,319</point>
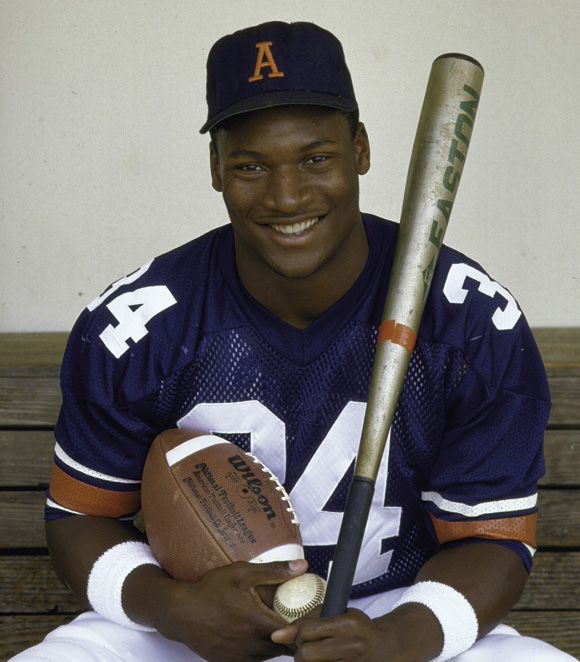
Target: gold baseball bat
<point>437,160</point>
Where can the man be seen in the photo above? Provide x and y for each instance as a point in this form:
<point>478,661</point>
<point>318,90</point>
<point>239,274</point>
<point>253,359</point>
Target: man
<point>264,331</point>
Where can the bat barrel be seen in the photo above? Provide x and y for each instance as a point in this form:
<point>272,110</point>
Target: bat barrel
<point>437,160</point>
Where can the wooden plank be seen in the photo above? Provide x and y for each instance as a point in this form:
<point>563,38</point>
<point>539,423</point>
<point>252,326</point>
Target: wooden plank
<point>29,585</point>
<point>34,402</point>
<point>17,633</point>
<point>559,520</point>
<point>30,395</point>
<point>22,525</point>
<point>560,349</point>
<point>31,350</point>
<point>22,519</point>
<point>553,582</point>
<point>26,457</point>
<point>562,454</point>
<point>565,392</point>
<point>29,402</point>
<point>559,628</point>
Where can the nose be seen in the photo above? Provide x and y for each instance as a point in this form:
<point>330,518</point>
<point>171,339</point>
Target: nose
<point>286,192</point>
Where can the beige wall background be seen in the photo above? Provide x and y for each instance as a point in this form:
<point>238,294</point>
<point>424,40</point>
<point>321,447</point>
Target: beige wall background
<point>102,165</point>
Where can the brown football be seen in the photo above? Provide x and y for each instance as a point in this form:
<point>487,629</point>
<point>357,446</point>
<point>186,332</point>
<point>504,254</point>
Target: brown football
<point>207,503</point>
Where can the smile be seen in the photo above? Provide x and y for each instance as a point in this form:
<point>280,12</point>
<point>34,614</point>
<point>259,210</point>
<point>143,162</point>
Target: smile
<point>296,228</point>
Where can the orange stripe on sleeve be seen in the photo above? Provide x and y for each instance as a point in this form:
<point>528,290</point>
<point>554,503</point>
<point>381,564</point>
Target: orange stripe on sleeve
<point>75,495</point>
<point>522,529</point>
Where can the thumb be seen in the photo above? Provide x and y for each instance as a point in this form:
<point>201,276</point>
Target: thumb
<point>276,572</point>
<point>285,635</point>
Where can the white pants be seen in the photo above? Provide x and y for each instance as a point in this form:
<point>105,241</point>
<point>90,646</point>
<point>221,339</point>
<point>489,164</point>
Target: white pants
<point>91,638</point>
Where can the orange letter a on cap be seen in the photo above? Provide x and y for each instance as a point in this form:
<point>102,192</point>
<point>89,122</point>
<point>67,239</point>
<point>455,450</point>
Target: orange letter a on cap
<point>265,52</point>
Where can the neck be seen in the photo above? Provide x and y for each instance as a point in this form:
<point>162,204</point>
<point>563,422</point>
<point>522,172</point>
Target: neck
<point>300,301</point>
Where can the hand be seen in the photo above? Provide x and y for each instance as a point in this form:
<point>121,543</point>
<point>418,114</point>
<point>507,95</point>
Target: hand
<point>355,636</point>
<point>223,616</point>
<point>350,636</point>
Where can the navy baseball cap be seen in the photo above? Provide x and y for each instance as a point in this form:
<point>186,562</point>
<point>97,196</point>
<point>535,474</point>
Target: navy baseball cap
<point>276,64</point>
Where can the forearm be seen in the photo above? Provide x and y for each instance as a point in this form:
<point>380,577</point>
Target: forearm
<point>144,588</point>
<point>491,578</point>
<point>75,543</point>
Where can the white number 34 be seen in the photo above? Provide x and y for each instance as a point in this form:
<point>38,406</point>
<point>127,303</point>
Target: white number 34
<point>455,292</point>
<point>132,310</point>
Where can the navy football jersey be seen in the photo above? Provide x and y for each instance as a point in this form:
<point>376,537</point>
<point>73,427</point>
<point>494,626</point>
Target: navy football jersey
<point>180,343</point>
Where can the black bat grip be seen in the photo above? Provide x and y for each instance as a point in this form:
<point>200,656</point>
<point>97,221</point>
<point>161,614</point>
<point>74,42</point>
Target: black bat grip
<point>350,539</point>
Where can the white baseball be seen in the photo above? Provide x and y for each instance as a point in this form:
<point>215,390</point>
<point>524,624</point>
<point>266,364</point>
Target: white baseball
<point>296,597</point>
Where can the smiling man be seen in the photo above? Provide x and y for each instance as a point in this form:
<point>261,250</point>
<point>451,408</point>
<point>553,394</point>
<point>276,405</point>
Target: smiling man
<point>264,331</point>
<point>289,179</point>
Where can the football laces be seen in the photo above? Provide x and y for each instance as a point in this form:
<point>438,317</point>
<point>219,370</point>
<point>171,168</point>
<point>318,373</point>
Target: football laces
<point>279,488</point>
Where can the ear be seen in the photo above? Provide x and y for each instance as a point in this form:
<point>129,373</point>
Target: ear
<point>362,150</point>
<point>214,165</point>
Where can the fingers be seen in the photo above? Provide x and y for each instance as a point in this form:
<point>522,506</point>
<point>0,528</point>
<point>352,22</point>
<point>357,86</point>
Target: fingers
<point>316,630</point>
<point>320,641</point>
<point>347,636</point>
<point>287,635</point>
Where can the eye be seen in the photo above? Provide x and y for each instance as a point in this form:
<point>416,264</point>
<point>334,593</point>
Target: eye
<point>249,167</point>
<point>318,158</point>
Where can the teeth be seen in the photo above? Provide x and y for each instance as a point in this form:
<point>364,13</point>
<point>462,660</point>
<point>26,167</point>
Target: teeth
<point>295,228</point>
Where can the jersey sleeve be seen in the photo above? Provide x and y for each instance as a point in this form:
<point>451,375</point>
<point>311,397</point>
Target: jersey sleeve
<point>101,445</point>
<point>97,461</point>
<point>123,349</point>
<point>483,485</point>
<point>116,354</point>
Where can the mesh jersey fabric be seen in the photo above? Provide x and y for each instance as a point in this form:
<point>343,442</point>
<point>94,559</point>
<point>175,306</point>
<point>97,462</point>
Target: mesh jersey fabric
<point>180,343</point>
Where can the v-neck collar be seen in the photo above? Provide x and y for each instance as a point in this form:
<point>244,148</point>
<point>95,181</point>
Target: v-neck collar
<point>303,346</point>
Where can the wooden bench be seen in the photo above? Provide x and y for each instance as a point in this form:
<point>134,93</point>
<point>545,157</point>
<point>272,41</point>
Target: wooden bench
<point>33,602</point>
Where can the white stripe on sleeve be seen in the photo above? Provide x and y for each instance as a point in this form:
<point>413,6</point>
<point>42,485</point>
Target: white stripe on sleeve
<point>77,466</point>
<point>486,508</point>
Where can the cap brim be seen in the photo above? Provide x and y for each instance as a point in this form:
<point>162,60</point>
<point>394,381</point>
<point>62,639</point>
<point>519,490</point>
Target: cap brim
<point>282,98</point>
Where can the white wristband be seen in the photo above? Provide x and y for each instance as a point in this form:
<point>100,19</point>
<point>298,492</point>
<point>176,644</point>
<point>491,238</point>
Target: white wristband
<point>454,613</point>
<point>107,576</point>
